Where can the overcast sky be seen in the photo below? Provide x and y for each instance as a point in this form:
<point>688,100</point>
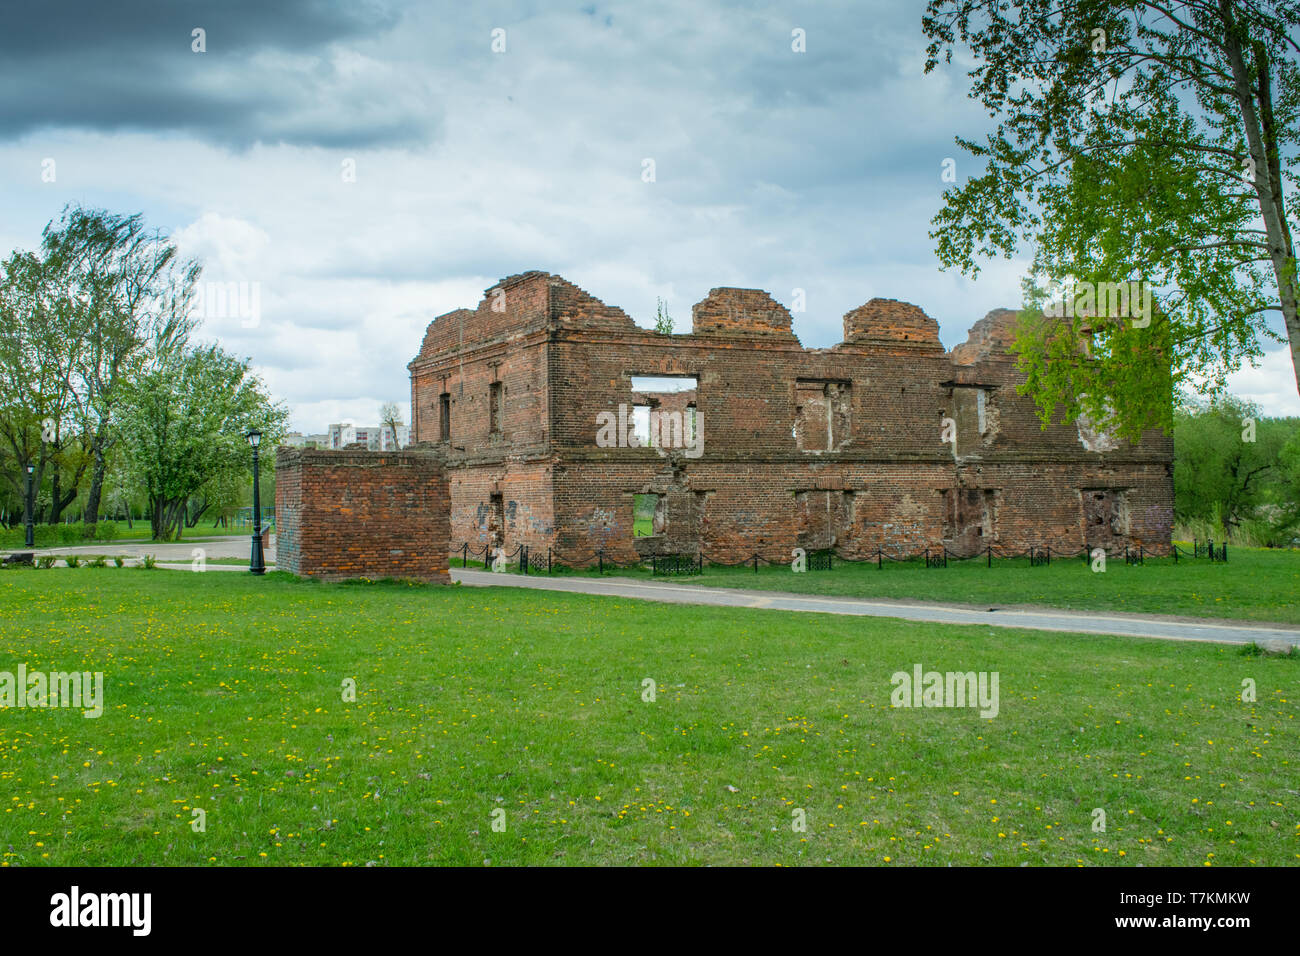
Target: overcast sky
<point>773,169</point>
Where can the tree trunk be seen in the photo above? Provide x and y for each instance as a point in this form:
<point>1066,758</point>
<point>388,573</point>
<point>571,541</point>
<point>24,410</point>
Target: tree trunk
<point>157,515</point>
<point>1267,182</point>
<point>176,518</point>
<point>96,479</point>
<point>56,514</point>
<point>192,516</point>
<point>55,508</point>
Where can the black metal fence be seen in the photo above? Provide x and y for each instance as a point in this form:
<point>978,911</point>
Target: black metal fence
<point>677,563</point>
<point>526,559</point>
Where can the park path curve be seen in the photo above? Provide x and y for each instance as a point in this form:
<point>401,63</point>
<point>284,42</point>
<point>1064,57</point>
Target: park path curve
<point>177,556</point>
<point>1077,622</point>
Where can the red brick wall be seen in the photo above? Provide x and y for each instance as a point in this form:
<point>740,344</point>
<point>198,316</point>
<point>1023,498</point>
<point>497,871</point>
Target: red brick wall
<point>526,503</point>
<point>564,358</point>
<point>356,513</point>
<point>747,312</point>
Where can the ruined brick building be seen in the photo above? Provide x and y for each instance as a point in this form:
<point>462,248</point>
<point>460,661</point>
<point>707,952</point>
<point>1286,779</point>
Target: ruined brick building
<point>540,399</point>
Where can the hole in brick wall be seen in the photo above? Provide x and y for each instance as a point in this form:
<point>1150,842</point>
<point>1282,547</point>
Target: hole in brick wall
<point>657,427</point>
<point>823,412</point>
<point>641,424</point>
<point>1106,515</point>
<point>494,408</point>
<point>664,410</point>
<point>496,520</point>
<point>647,515</point>
<point>971,414</point>
<point>664,384</point>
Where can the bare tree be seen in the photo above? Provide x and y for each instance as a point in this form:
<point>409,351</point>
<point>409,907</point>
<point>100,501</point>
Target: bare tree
<point>390,417</point>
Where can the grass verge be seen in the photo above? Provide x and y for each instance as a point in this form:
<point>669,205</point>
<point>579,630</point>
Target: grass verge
<point>225,694</point>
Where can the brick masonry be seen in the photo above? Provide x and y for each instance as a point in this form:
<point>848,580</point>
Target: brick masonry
<point>354,513</point>
<point>839,447</point>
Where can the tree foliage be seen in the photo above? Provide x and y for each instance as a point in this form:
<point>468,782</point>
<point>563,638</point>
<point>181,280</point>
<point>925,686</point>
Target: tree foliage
<point>1136,142</point>
<point>42,420</point>
<point>184,426</point>
<point>663,321</point>
<point>131,294</point>
<point>98,303</point>
<point>1234,467</point>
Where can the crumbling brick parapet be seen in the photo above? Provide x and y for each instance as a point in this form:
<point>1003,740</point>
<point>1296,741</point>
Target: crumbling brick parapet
<point>890,324</point>
<point>746,312</point>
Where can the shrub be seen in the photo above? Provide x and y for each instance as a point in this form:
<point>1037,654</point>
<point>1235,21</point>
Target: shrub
<point>60,535</point>
<point>1273,648</point>
<point>118,560</point>
<point>150,562</point>
<point>73,560</point>
<point>99,562</point>
<point>45,561</point>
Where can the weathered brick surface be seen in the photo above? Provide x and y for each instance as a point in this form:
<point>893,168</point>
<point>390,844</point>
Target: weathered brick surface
<point>991,336</point>
<point>747,312</point>
<point>888,324</point>
<point>839,446</point>
<point>355,513</point>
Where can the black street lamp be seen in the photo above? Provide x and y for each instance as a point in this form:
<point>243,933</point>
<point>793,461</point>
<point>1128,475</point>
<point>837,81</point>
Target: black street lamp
<point>256,563</point>
<point>31,508</point>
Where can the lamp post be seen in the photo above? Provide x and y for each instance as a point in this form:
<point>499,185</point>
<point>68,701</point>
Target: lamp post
<point>256,564</point>
<point>31,507</point>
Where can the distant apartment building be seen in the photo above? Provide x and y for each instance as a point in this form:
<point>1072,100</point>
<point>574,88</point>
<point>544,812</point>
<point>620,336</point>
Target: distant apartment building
<point>373,437</point>
<point>299,440</point>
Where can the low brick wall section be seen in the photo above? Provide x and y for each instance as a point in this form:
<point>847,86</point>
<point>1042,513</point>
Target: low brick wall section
<point>362,514</point>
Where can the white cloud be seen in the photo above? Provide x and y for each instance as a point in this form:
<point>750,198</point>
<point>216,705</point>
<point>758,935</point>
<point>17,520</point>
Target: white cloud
<point>818,171</point>
<point>1272,386</point>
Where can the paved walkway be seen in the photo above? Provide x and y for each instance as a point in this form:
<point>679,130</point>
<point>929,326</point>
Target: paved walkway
<point>177,556</point>
<point>1082,622</point>
<point>173,555</point>
<point>225,546</point>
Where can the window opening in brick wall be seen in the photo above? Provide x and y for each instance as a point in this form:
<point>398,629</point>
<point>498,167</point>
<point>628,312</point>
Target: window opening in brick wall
<point>823,412</point>
<point>647,515</point>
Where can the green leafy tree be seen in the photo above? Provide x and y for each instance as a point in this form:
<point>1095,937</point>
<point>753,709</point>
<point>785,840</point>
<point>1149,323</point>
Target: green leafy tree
<point>131,295</point>
<point>1228,464</point>
<point>183,425</point>
<point>1283,510</point>
<point>40,416</point>
<point>1136,142</point>
<point>99,301</point>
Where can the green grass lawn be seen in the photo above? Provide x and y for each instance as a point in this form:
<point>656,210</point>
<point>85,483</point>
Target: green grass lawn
<point>1255,584</point>
<point>224,693</point>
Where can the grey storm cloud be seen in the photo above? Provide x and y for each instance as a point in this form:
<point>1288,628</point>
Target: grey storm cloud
<point>288,71</point>
<point>273,72</point>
